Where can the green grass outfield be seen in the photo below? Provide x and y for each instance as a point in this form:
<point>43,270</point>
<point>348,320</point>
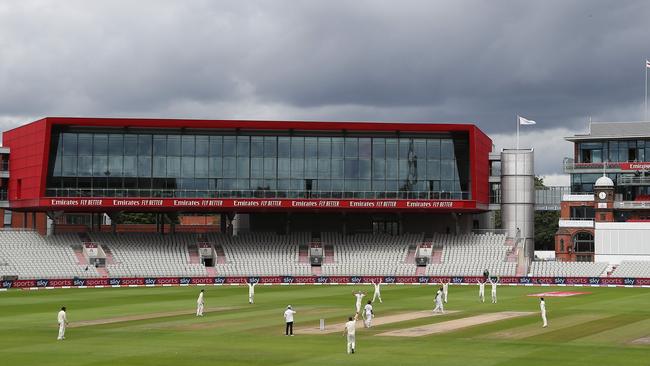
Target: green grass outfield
<point>594,329</point>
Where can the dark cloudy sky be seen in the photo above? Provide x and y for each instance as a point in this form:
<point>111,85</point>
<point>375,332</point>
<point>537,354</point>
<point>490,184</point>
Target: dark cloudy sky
<point>557,62</point>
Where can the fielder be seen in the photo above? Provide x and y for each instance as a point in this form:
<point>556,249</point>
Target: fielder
<point>368,314</point>
<point>481,290</point>
<point>439,306</point>
<point>445,290</point>
<point>494,289</point>
<point>288,319</point>
<point>542,308</point>
<point>199,304</point>
<point>63,321</point>
<point>350,328</point>
<point>359,295</point>
<point>251,291</point>
<point>377,293</point>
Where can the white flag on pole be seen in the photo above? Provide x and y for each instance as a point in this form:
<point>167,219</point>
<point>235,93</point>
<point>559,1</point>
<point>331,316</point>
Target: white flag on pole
<point>647,64</point>
<point>524,121</point>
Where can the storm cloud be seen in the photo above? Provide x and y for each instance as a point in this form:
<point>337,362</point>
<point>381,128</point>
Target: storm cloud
<point>483,62</point>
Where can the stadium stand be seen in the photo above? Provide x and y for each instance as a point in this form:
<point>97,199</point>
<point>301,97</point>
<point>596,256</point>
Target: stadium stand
<point>29,255</point>
<point>368,254</point>
<point>141,255</point>
<point>632,269</point>
<point>261,254</point>
<point>470,255</point>
<point>567,269</point>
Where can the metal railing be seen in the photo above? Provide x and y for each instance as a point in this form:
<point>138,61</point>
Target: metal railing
<point>632,180</point>
<point>570,165</point>
<point>180,193</point>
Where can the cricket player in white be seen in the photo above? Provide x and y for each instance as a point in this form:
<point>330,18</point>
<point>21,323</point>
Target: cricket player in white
<point>445,290</point>
<point>481,290</point>
<point>377,293</point>
<point>494,289</point>
<point>199,304</point>
<point>63,321</point>
<point>368,314</point>
<point>542,308</point>
<point>251,292</point>
<point>288,319</point>
<point>350,330</point>
<point>359,295</point>
<point>439,306</point>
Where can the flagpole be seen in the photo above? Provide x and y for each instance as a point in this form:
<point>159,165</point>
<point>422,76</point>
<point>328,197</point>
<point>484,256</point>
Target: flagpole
<point>645,110</point>
<point>517,121</point>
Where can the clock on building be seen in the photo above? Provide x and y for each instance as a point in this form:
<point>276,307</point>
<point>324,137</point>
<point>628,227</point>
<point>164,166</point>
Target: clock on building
<point>602,195</point>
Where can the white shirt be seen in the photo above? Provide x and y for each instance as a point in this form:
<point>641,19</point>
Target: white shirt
<point>359,297</point>
<point>494,286</point>
<point>61,317</point>
<point>351,327</point>
<point>445,287</point>
<point>199,301</point>
<point>376,286</point>
<point>438,296</point>
<point>481,286</point>
<point>368,309</point>
<point>542,306</point>
<point>288,315</point>
<point>251,289</point>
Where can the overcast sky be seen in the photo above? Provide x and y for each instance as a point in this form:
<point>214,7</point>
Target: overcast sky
<point>483,62</point>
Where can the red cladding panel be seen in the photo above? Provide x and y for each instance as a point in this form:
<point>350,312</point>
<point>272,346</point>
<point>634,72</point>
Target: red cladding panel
<point>481,146</point>
<point>27,160</point>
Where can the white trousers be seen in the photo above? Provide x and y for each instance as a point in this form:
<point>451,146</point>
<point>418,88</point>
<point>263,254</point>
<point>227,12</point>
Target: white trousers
<point>251,297</point>
<point>544,318</point>
<point>481,295</point>
<point>367,321</point>
<point>445,295</point>
<point>199,310</point>
<point>494,297</point>
<point>351,342</point>
<point>358,306</point>
<point>376,295</point>
<point>61,331</point>
<point>439,307</point>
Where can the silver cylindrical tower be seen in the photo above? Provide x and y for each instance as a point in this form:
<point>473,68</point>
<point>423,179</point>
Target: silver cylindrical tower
<point>518,196</point>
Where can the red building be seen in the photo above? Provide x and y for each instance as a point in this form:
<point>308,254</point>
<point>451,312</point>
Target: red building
<point>368,176</point>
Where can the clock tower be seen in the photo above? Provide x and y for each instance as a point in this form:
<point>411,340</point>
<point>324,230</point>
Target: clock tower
<point>604,199</point>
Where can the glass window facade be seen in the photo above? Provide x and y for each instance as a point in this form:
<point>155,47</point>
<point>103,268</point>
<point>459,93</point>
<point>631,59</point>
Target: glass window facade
<point>194,165</point>
<point>613,151</point>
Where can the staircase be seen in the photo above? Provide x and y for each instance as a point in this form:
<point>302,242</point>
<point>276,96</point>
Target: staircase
<point>303,254</point>
<point>79,253</point>
<point>436,257</point>
<point>521,271</point>
<point>328,251</point>
<point>512,255</point>
<point>109,255</point>
<point>103,272</point>
<point>316,271</point>
<point>420,271</point>
<point>193,251</point>
<point>221,255</point>
<point>211,271</point>
<point>410,256</point>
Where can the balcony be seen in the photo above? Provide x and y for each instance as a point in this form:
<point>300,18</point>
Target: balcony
<point>632,180</point>
<point>570,167</point>
<point>576,223</point>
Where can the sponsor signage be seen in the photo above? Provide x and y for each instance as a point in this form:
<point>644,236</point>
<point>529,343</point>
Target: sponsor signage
<point>253,203</point>
<point>160,281</point>
<point>635,166</point>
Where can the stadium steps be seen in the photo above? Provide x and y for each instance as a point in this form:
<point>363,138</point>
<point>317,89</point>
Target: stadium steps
<point>193,252</point>
<point>103,272</point>
<point>328,251</point>
<point>303,254</point>
<point>520,271</point>
<point>316,271</point>
<point>436,256</point>
<point>109,255</point>
<point>420,271</point>
<point>79,254</point>
<point>512,255</point>
<point>410,255</point>
<point>211,271</point>
<point>221,255</point>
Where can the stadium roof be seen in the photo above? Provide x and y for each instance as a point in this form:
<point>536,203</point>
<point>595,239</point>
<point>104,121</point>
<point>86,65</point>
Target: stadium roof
<point>613,130</point>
